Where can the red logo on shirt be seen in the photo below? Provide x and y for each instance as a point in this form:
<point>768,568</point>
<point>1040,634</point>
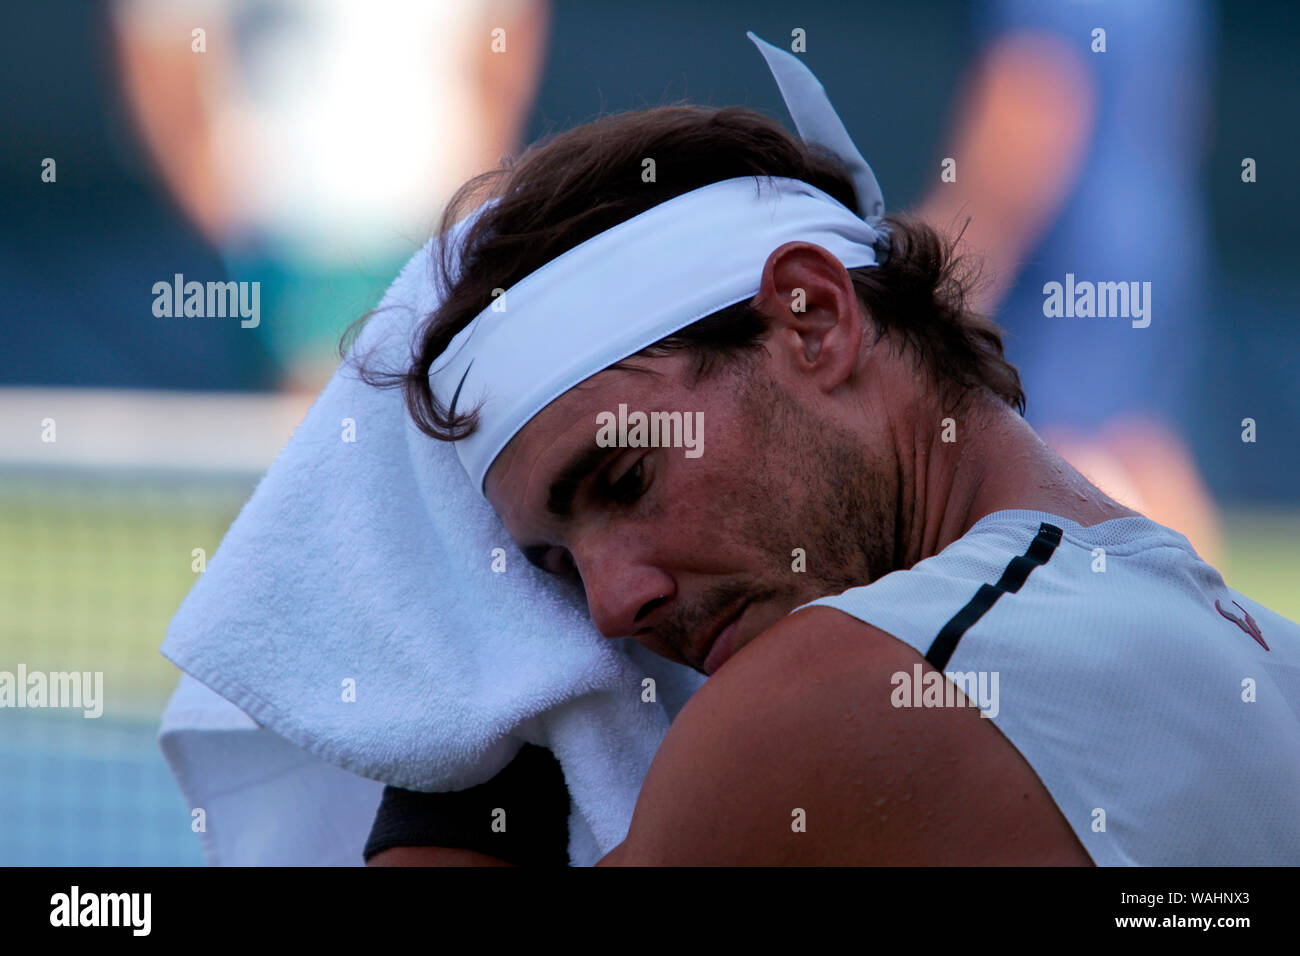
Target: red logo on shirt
<point>1248,625</point>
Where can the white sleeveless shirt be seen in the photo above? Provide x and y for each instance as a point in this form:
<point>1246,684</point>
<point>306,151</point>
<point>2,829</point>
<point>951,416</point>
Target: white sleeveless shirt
<point>1161,726</point>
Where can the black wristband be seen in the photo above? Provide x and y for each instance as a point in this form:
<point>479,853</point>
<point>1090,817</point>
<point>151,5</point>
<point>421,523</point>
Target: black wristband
<point>530,790</point>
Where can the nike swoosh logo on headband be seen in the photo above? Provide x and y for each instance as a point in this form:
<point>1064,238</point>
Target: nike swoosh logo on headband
<point>455,396</point>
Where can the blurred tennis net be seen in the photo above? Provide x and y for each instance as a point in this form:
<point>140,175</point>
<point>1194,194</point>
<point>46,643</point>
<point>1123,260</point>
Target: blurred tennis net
<point>106,500</point>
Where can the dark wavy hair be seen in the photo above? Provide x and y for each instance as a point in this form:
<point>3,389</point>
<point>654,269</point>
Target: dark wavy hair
<point>568,188</point>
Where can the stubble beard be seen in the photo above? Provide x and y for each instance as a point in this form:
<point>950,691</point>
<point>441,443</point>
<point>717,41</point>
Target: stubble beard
<point>810,487</point>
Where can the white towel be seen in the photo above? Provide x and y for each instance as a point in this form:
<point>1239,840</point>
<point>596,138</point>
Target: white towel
<point>371,561</point>
<point>264,801</point>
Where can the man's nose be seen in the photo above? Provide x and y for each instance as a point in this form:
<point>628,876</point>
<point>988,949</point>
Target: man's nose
<point>623,591</point>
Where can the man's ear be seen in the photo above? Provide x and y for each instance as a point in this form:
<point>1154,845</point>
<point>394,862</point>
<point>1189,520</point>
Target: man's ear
<point>816,320</point>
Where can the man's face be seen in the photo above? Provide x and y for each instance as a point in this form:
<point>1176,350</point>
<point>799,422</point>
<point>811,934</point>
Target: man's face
<point>697,554</point>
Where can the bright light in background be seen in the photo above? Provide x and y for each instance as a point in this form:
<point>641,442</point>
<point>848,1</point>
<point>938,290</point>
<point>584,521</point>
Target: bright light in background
<point>347,124</point>
<point>315,143</point>
<point>335,129</point>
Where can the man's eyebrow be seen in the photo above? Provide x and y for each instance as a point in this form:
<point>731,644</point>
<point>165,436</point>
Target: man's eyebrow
<point>559,499</point>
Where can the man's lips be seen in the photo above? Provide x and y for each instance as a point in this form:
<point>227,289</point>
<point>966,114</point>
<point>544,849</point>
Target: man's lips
<point>721,642</point>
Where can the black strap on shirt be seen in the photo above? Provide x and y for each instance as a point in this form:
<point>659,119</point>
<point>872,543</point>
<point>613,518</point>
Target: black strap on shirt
<point>1015,575</point>
<point>530,790</point>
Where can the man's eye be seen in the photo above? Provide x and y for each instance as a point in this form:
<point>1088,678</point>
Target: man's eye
<point>630,487</point>
<point>563,566</point>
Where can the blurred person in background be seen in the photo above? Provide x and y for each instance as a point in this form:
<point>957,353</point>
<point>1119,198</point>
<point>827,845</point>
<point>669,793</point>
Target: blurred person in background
<point>1074,159</point>
<point>314,142</point>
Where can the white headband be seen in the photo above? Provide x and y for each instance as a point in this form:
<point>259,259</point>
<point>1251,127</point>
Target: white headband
<point>648,277</point>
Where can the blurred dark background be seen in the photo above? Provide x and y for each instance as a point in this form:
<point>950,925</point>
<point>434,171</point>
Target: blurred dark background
<point>76,255</point>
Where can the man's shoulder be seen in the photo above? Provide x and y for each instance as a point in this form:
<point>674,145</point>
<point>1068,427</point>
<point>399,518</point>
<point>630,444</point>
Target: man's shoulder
<point>815,639</point>
<point>747,755</point>
<point>818,647</point>
<point>809,682</point>
<point>792,753</point>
